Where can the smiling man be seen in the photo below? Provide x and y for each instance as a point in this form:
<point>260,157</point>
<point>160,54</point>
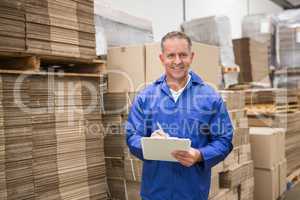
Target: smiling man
<point>186,107</point>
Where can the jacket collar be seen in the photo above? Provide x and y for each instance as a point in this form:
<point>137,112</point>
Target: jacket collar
<point>194,78</point>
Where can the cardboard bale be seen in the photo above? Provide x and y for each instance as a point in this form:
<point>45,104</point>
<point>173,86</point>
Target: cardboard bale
<point>266,184</point>
<point>282,177</point>
<point>266,151</point>
<point>114,167</point>
<point>252,57</point>
<point>235,100</point>
<point>236,174</point>
<point>114,145</point>
<point>122,190</point>
<point>244,153</point>
<point>214,186</point>
<point>261,28</point>
<point>222,195</point>
<point>247,189</point>
<point>232,159</point>
<point>133,169</point>
<point>57,154</point>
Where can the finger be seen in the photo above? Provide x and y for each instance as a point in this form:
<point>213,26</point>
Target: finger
<point>186,164</point>
<point>182,153</point>
<point>183,159</point>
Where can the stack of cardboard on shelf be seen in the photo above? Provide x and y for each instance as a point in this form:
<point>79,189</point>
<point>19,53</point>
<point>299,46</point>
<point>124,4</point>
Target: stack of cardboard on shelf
<point>12,23</point>
<point>252,57</point>
<point>277,108</point>
<point>18,139</point>
<point>235,174</point>
<point>53,137</point>
<point>270,101</point>
<point>3,193</point>
<point>61,28</point>
<point>123,170</point>
<point>268,152</point>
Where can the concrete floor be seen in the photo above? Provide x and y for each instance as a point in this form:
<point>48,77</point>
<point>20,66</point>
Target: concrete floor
<point>294,193</point>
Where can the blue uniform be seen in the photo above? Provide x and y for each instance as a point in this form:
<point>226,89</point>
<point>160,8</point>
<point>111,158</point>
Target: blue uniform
<point>200,115</point>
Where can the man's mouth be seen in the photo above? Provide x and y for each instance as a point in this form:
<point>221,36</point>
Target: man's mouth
<point>177,67</point>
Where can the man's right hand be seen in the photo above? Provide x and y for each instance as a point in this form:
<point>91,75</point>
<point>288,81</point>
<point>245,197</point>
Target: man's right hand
<point>159,134</point>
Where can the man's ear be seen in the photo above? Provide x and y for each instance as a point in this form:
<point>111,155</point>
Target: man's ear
<point>192,55</point>
<point>161,57</point>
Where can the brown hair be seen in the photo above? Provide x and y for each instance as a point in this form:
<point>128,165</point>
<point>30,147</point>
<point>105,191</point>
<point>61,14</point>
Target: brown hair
<point>175,34</point>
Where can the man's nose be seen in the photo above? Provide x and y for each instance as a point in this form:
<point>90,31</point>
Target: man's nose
<point>178,60</point>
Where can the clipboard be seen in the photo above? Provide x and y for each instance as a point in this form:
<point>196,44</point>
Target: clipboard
<point>161,148</point>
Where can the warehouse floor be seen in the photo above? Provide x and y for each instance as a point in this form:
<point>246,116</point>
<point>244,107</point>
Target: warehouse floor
<point>294,194</point>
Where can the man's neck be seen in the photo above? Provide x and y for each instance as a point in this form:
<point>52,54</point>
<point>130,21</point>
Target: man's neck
<point>177,84</point>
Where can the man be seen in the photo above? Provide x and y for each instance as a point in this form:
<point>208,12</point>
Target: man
<point>185,107</point>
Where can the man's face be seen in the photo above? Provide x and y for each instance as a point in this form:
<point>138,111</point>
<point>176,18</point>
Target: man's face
<point>176,58</point>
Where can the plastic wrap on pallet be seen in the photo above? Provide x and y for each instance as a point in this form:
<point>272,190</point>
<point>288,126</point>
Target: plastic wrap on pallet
<point>116,28</point>
<point>258,27</point>
<point>288,39</point>
<point>288,16</point>
<point>286,81</point>
<point>261,27</point>
<point>215,30</point>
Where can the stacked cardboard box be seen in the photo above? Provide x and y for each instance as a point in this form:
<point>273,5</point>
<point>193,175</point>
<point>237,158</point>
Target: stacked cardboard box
<point>215,30</point>
<point>269,161</point>
<point>122,169</point>
<point>288,51</point>
<point>3,194</point>
<point>277,108</point>
<point>261,28</point>
<point>271,101</point>
<point>60,28</point>
<point>12,25</point>
<point>252,57</point>
<point>236,171</point>
<point>53,138</point>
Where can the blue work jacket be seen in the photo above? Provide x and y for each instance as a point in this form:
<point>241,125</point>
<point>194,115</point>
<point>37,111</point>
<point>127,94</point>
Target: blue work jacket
<point>200,115</point>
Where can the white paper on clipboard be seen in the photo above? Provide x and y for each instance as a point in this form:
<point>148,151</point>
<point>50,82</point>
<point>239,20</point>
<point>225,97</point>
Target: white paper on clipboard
<point>161,149</point>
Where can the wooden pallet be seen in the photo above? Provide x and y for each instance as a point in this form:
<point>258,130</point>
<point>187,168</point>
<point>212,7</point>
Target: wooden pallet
<point>271,108</point>
<point>293,179</point>
<point>230,69</point>
<point>30,62</point>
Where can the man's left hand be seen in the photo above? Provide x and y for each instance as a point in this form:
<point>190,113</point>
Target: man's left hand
<point>188,158</point>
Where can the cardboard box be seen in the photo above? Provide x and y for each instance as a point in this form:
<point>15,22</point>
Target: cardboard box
<point>214,186</point>
<point>205,63</point>
<point>266,151</point>
<point>281,144</point>
<point>266,186</point>
<point>154,67</point>
<point>222,195</point>
<point>282,176</point>
<point>126,68</point>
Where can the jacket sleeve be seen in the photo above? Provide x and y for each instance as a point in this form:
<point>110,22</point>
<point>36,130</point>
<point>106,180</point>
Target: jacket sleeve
<point>136,128</point>
<point>221,132</point>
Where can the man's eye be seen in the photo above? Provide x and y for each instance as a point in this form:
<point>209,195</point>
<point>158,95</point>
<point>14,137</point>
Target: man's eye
<point>183,55</point>
<point>170,56</point>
